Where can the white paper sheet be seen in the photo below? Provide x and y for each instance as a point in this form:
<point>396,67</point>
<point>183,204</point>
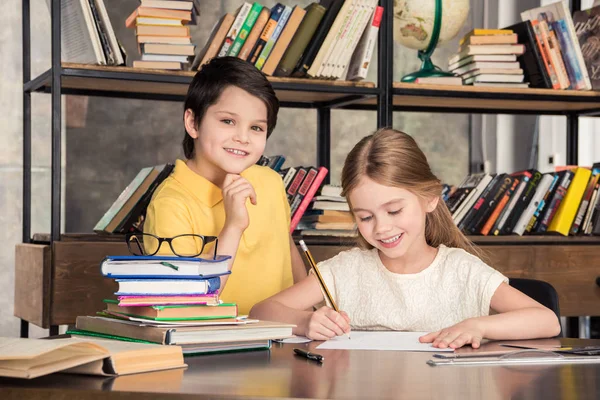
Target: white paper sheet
<point>395,341</point>
<point>295,339</point>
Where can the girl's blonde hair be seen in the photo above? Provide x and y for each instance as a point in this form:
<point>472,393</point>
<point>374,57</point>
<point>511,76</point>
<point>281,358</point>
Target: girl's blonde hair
<point>393,158</point>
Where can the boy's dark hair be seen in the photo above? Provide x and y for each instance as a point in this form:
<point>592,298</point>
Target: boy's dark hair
<point>213,78</point>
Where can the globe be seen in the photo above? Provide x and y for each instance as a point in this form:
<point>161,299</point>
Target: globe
<point>422,24</point>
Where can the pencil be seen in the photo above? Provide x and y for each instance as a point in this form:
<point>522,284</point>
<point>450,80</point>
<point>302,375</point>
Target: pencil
<point>313,265</point>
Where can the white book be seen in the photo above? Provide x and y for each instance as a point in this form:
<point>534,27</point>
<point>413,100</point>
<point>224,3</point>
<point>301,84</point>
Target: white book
<point>288,177</point>
<point>330,205</point>
<point>538,196</point>
<point>164,57</point>
<point>329,39</point>
<point>169,4</point>
<point>492,71</point>
<point>145,266</point>
<point>243,12</point>
<point>509,85</point>
<point>459,70</point>
<point>112,38</point>
<point>361,59</point>
<point>350,19</point>
<point>494,78</point>
<point>362,26</point>
<point>482,57</point>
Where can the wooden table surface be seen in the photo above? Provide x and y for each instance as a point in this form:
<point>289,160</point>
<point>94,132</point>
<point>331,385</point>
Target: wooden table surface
<point>344,374</point>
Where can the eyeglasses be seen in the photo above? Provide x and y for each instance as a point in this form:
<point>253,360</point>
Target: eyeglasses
<point>188,245</point>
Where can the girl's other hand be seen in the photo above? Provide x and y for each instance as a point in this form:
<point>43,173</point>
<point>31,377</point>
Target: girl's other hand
<point>326,323</point>
<point>456,336</point>
<point>235,192</point>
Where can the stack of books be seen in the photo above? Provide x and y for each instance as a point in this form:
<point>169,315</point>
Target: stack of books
<point>301,184</point>
<point>488,57</point>
<point>163,34</point>
<point>564,202</point>
<point>329,215</point>
<point>332,39</point>
<point>175,300</point>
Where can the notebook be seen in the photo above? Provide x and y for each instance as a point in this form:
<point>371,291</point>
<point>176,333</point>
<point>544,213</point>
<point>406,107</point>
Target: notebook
<point>163,267</point>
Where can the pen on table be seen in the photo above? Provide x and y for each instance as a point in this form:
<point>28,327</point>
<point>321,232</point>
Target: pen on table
<point>313,265</point>
<point>309,355</point>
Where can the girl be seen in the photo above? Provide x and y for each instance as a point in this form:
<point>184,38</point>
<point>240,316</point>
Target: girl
<point>414,270</point>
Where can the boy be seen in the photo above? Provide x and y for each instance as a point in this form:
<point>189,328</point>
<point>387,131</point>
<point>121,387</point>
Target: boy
<point>230,111</point>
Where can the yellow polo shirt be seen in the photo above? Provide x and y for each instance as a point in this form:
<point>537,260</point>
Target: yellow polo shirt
<point>186,202</point>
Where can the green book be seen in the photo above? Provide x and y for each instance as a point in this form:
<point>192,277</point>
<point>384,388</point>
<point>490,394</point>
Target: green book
<point>262,58</point>
<point>122,199</point>
<point>305,32</point>
<point>245,30</point>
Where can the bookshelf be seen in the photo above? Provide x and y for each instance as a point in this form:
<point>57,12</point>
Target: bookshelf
<point>566,262</point>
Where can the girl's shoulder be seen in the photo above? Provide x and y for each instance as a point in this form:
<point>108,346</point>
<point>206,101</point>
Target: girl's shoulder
<point>350,259</point>
<point>459,259</point>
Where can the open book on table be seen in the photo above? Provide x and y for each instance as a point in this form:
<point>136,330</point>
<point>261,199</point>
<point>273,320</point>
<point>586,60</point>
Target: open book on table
<point>30,358</point>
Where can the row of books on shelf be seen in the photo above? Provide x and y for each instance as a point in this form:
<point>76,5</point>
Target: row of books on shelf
<point>547,50</point>
<point>332,39</point>
<point>565,202</point>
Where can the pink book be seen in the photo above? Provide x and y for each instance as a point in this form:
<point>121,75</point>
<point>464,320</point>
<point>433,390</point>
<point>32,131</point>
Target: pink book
<point>308,197</point>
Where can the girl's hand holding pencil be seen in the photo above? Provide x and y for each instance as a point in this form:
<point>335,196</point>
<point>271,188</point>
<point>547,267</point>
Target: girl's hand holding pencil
<point>326,323</point>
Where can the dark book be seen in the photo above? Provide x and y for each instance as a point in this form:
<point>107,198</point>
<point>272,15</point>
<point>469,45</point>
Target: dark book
<point>333,8</point>
<point>585,202</point>
<point>491,200</point>
<point>522,203</point>
<point>303,189</point>
<point>595,217</point>
<point>553,204</point>
<point>134,219</point>
<point>457,198</point>
<point>587,27</point>
<point>531,61</point>
<point>472,213</point>
<point>295,183</point>
<point>523,178</point>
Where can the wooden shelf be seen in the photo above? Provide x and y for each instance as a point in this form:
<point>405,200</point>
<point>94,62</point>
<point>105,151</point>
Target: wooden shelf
<point>471,99</point>
<point>126,82</point>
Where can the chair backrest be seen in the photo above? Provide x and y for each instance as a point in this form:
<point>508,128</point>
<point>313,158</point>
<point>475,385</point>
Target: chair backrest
<point>541,291</point>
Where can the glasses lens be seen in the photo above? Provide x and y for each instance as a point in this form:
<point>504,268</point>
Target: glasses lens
<point>187,245</point>
<point>142,244</point>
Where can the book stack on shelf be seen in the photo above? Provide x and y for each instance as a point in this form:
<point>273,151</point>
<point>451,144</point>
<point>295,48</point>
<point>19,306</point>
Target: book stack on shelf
<point>301,184</point>
<point>163,34</point>
<point>175,300</point>
<point>329,215</point>
<point>127,212</point>
<point>564,202</point>
<point>488,57</point>
<point>332,39</point>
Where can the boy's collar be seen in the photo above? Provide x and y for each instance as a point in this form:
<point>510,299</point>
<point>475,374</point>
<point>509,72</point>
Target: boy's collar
<point>207,192</point>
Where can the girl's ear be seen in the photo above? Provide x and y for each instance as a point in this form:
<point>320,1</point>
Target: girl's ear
<point>190,123</point>
<point>432,204</point>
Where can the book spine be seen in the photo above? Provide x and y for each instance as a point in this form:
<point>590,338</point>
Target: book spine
<point>545,53</point>
<point>308,197</point>
<point>555,56</point>
<point>561,46</point>
<point>540,191</point>
<point>542,206</point>
<point>312,50</point>
<point>267,32</point>
<point>283,43</point>
<point>522,203</point>
<point>593,224</point>
<point>245,30</point>
<point>340,46</point>
<point>573,35</point>
<point>587,197</point>
<point>295,184</point>
<point>235,29</point>
<point>266,51</point>
<point>308,180</point>
<point>568,49</point>
<point>361,59</point>
<point>497,228</point>
<point>556,201</point>
<point>306,30</point>
<point>257,29</point>
<point>474,211</point>
<point>564,216</point>
<point>491,202</point>
<point>502,204</point>
<point>287,179</point>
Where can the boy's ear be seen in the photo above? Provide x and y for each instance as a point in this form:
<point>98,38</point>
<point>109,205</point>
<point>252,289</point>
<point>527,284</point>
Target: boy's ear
<point>190,123</point>
<point>432,204</point>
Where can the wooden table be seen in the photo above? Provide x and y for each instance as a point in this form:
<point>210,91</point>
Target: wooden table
<point>344,374</point>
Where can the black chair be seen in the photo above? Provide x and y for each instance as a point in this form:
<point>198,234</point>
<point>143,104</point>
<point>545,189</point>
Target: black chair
<point>542,292</point>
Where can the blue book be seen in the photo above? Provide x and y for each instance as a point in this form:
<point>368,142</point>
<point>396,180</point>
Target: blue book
<point>169,267</point>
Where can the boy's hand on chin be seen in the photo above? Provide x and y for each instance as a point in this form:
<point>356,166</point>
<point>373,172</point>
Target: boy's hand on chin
<point>235,192</point>
<point>456,336</point>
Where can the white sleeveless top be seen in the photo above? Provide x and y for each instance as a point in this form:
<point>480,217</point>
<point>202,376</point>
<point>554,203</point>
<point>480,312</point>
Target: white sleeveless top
<point>456,286</point>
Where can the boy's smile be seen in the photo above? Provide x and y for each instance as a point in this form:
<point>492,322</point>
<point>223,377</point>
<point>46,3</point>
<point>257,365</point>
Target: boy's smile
<point>231,137</point>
